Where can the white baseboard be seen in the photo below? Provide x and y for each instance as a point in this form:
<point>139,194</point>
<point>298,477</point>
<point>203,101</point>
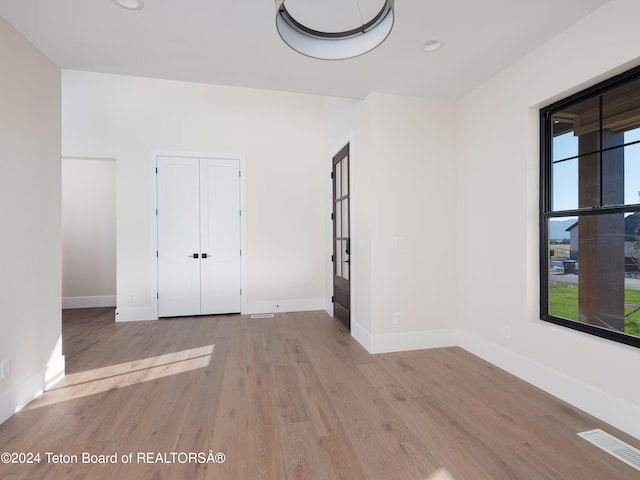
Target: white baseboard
<point>615,411</point>
<point>24,392</point>
<point>401,342</point>
<point>55,370</point>
<point>306,305</point>
<point>136,314</point>
<point>89,302</point>
<point>361,335</point>
<point>328,307</point>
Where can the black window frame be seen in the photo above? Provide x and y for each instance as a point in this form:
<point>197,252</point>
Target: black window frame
<point>547,213</point>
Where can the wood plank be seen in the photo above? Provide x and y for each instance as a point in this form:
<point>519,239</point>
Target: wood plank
<point>293,397</point>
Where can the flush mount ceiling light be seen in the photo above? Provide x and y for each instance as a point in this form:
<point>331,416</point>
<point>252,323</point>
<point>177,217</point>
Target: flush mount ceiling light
<point>334,29</point>
<point>130,4</point>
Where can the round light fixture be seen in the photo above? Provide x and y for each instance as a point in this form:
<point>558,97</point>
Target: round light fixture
<point>130,4</point>
<point>302,29</point>
<point>432,46</point>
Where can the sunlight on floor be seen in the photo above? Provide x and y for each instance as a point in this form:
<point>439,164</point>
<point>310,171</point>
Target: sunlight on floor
<point>100,380</point>
<point>441,474</point>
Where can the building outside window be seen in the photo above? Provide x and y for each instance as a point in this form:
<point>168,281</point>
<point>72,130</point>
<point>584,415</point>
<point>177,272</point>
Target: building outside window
<point>590,210</point>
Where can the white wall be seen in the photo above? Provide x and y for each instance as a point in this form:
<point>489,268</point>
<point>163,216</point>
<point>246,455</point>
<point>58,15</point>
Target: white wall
<point>414,200</point>
<point>422,170</point>
<point>403,186</point>
<point>279,134</point>
<point>498,158</point>
<point>30,217</point>
<point>349,121</point>
<point>88,232</point>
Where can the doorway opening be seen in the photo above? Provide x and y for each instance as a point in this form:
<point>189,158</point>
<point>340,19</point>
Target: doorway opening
<point>341,238</point>
<point>88,232</point>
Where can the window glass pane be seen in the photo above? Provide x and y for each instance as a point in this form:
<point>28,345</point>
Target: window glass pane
<point>338,218</point>
<point>620,113</point>
<point>563,267</point>
<point>632,170</point>
<point>612,176</point>
<point>560,235</point>
<point>598,283</point>
<point>338,258</point>
<point>345,176</point>
<point>565,146</point>
<point>345,218</point>
<point>620,173</point>
<point>564,194</point>
<point>345,260</point>
<point>589,181</point>
<point>338,180</point>
<point>631,136</point>
<point>632,241</point>
<point>591,264</point>
<point>579,121</point>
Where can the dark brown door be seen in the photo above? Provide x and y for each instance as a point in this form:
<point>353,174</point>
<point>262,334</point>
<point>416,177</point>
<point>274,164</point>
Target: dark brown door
<point>341,238</point>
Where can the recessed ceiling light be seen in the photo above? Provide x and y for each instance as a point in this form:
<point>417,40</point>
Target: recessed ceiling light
<point>334,30</point>
<point>432,46</point>
<point>130,4</point>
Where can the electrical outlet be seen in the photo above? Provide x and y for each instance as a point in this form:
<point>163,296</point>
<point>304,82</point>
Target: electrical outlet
<point>506,332</point>
<point>397,318</point>
<point>5,368</point>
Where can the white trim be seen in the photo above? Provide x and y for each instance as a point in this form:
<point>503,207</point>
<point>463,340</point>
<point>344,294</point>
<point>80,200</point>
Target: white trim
<point>102,159</point>
<point>89,302</point>
<point>613,410</point>
<point>136,314</point>
<point>151,313</point>
<point>126,315</point>
<point>19,395</point>
<point>328,306</point>
<point>243,230</point>
<point>417,340</point>
<point>55,370</point>
<point>281,306</point>
<point>361,335</point>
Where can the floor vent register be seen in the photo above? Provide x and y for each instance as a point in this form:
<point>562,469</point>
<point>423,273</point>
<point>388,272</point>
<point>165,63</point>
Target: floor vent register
<point>616,447</point>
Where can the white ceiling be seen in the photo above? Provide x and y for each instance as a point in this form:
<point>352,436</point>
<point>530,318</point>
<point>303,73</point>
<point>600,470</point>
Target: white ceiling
<point>235,42</point>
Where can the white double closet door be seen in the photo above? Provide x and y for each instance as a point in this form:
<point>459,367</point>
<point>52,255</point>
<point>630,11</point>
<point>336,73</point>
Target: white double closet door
<point>198,236</point>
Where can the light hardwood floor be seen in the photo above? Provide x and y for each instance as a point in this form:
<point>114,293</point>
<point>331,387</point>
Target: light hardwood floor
<point>291,397</point>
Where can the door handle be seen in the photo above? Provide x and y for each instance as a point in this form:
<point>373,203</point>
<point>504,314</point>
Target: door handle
<point>204,255</point>
<point>195,255</point>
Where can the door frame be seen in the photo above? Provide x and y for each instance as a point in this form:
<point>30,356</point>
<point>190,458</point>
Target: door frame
<point>153,224</point>
<point>344,152</point>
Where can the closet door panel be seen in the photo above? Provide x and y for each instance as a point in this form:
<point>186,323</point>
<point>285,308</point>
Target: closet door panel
<point>178,236</point>
<point>220,235</point>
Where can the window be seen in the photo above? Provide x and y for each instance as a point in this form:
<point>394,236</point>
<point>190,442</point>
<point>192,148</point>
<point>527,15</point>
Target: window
<point>590,210</point>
